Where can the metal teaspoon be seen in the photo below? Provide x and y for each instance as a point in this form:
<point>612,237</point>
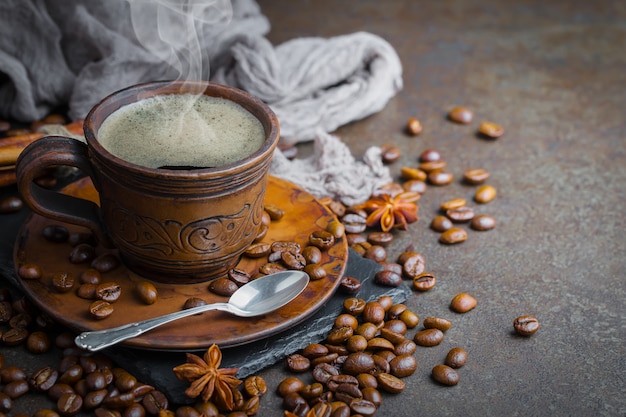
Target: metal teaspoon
<point>256,298</point>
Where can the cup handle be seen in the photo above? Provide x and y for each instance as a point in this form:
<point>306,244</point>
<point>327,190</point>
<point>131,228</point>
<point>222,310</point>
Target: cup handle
<point>54,151</point>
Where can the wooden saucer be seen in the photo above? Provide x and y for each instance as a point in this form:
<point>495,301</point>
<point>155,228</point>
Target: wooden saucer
<point>304,215</point>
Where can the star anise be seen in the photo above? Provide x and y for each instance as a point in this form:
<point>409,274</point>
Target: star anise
<point>207,379</point>
<point>392,211</point>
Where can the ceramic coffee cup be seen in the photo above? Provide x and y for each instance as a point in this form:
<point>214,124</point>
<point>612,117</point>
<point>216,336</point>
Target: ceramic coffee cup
<point>170,225</point>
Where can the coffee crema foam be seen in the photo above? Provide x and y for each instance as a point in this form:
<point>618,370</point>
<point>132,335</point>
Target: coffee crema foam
<point>183,130</point>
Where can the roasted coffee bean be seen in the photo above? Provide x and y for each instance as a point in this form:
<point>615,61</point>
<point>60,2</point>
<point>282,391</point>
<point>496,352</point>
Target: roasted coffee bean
<point>137,410</point>
<point>257,250</point>
<point>223,286</point>
<point>192,302</point>
<point>105,262</point>
<point>354,305</point>
<point>394,312</point>
<point>526,325</point>
<point>283,245</point>
<point>289,385</point>
<point>58,389</point>
<point>82,253</point>
<point>376,253</point>
<point>69,404</point>
<point>322,372</point>
<point>390,383</point>
<point>413,126</point>
<point>456,357</point>
<point>390,153</point>
<point>348,393</point>
<point>11,204</point>
<point>263,229</point>
<point>6,403</point>
<point>358,363</point>
<point>490,130</point>
<point>440,177</point>
<point>396,326</point>
<point>100,309</point>
<point>412,174</point>
<point>445,375</point>
<point>392,267</point>
<point>124,380</point>
<point>354,223</point>
<point>94,399</point>
<point>350,285</point>
<point>380,238</point>
<point>63,281</point>
<point>14,336</point>
<point>409,318</point>
<point>430,155</point>
<point>293,259</point>
<point>483,222</point>
<point>298,363</point>
<point>367,330</point>
<point>146,292</point>
<point>38,342</point>
<point>29,271</point>
<point>431,166</point>
<point>271,268</point>
<point>312,254</point>
<point>413,264</point>
<point>453,204</point>
<point>330,358</point>
<point>314,350</point>
<point>356,343</point>
<point>182,411</point>
<point>43,379</point>
<point>346,320</point>
<point>6,312</point>
<point>121,400</point>
<point>339,335</point>
<point>336,380</point>
<point>82,237</point>
<point>154,402</point>
<point>460,214</point>
<point>322,239</point>
<point>109,291</point>
<point>428,337</point>
<point>406,347</point>
<point>312,391</point>
<point>23,320</point>
<point>441,224</point>
<point>56,233</point>
<point>239,276</point>
<point>415,186</point>
<point>71,375</point>
<point>462,303</point>
<point>388,278</point>
<point>16,389</point>
<point>403,365</point>
<point>453,236</point>
<point>475,176</point>
<point>437,323</point>
<point>373,312</point>
<point>361,247</point>
<point>315,271</point>
<point>485,194</point>
<point>90,276</point>
<point>424,281</point>
<point>379,343</point>
<point>336,207</point>
<point>461,115</point>
<point>275,212</point>
<point>255,386</point>
<point>12,373</point>
<point>296,403</point>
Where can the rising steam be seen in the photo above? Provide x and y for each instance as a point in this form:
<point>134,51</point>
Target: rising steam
<point>172,30</point>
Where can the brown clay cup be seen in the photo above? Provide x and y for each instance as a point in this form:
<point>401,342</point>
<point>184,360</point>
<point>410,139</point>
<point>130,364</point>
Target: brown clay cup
<point>169,225</point>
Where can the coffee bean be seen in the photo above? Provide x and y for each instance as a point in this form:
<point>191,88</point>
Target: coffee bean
<point>6,403</point>
<point>12,373</point>
<point>440,177</point>
<point>336,228</point>
<point>460,214</point>
<point>428,337</point>
<point>11,204</point>
<point>336,380</point>
<point>490,130</point>
<point>76,239</point>
<point>453,236</point>
<point>403,365</point>
<point>314,350</point>
<point>29,271</point>
<point>412,174</point>
<point>380,238</point>
<point>354,305</point>
<point>396,327</point>
<point>462,303</point>
<point>63,282</point>
<point>409,318</point>
<point>475,176</point>
<point>445,375</point>
<point>391,266</point>
<point>354,223</point>
<point>223,286</point>
<point>456,357</point>
<point>82,253</point>
<point>257,250</point>
<point>460,115</point>
<point>390,383</point>
<point>90,276</point>
<point>290,385</point>
<point>58,389</point>
<point>431,166</point>
<point>14,336</point>
<point>293,259</point>
<point>270,268</point>
<point>43,379</point>
<point>387,278</point>
<point>69,404</point>
<point>275,213</point>
<point>315,271</point>
<point>483,222</point>
<point>485,194</point>
<point>339,335</point>
<point>413,264</point>
<point>146,292</point>
<point>322,239</point>
<point>415,186</point>
<point>373,312</point>
<point>350,285</point>
<point>154,402</point>
<point>437,323</point>
<point>56,233</point>
<point>312,254</point>
<point>16,389</point>
<point>38,342</point>
<point>238,276</point>
<point>94,399</point>
<point>348,393</point>
<point>255,386</point>
<point>526,325</point>
<point>453,204</point>
<point>424,281</point>
<point>323,372</point>
<point>379,343</point>
<point>390,153</point>
<point>298,363</point>
<point>100,309</point>
<point>414,126</point>
<point>108,291</point>
<point>441,224</point>
<point>105,263</point>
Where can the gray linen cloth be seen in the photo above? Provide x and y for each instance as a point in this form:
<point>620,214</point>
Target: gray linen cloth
<point>75,52</point>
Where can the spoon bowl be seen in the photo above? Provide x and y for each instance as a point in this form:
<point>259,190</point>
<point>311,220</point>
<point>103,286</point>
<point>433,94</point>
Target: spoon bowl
<point>258,297</point>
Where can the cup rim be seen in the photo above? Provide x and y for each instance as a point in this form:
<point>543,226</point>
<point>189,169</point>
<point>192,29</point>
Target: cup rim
<point>134,93</point>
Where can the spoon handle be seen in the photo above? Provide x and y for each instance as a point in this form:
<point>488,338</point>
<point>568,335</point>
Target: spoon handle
<point>100,339</point>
